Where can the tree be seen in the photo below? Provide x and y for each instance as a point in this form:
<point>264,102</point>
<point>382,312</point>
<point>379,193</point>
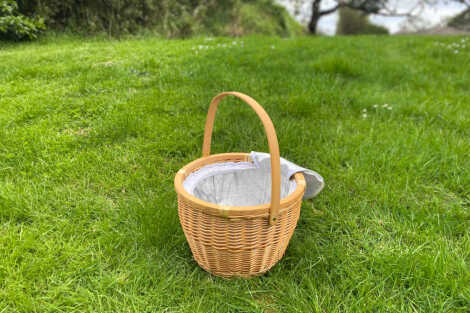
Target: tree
<point>380,7</point>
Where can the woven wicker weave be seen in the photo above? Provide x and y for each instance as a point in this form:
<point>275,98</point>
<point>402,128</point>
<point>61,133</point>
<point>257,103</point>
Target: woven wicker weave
<point>232,241</point>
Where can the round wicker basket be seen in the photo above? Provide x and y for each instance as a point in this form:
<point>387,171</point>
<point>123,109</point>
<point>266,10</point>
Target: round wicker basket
<point>242,241</point>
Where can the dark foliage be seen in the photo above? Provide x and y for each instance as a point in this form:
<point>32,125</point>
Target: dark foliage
<point>16,26</point>
<point>461,21</point>
<point>169,18</point>
<point>353,22</point>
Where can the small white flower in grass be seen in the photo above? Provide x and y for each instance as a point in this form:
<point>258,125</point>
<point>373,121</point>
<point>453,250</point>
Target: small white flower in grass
<point>389,108</point>
<point>385,105</point>
<point>375,105</point>
<point>364,115</point>
<point>364,110</point>
<point>456,51</point>
<point>234,42</point>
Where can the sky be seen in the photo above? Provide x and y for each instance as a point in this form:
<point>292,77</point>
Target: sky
<point>431,16</point>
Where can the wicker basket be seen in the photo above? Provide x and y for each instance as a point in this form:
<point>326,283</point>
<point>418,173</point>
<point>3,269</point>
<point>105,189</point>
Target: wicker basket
<point>240,241</point>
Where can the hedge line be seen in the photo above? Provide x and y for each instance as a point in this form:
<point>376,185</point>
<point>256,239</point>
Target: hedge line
<point>170,18</point>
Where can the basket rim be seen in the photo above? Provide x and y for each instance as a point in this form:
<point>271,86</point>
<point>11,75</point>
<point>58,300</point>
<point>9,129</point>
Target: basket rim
<point>226,210</point>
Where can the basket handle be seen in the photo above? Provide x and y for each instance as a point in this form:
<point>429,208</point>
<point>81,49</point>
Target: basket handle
<point>272,142</point>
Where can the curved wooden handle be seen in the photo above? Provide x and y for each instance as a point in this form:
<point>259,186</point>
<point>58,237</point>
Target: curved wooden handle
<point>272,141</point>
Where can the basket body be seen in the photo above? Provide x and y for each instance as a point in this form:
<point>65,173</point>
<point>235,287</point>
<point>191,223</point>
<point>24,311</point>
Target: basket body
<point>235,241</point>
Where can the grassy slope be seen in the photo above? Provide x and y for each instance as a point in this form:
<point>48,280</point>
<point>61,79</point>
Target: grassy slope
<point>92,133</point>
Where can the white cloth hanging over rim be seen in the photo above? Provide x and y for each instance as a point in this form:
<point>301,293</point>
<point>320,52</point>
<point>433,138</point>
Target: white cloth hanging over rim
<point>247,183</point>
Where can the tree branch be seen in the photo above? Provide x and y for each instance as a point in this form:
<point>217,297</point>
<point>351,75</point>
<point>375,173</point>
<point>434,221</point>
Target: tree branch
<point>336,7</point>
<point>415,11</point>
<point>391,14</point>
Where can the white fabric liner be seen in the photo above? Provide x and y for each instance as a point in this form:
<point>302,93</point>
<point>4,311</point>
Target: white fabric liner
<point>247,183</point>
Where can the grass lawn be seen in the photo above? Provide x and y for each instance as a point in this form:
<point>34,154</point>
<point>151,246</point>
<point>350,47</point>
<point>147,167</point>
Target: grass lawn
<point>93,131</point>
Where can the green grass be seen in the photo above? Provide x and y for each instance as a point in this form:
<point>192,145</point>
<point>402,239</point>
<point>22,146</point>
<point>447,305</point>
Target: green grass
<point>93,131</point>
